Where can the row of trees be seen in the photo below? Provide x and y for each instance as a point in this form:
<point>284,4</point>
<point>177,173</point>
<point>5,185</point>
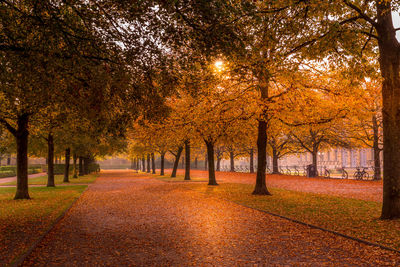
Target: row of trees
<point>101,64</point>
<point>72,76</point>
<point>268,46</point>
<point>223,119</point>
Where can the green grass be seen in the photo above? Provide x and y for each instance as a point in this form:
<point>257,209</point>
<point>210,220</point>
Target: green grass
<point>42,180</point>
<point>22,222</point>
<point>353,217</point>
<point>178,178</point>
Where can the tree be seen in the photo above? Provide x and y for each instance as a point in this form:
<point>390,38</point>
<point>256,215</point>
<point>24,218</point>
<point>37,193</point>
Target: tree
<point>365,123</point>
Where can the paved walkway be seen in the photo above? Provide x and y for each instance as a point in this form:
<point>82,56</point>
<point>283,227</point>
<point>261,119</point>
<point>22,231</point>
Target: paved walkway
<point>365,190</point>
<point>12,179</point>
<point>127,219</point>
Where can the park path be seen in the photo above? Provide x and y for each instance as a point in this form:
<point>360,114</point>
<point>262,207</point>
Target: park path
<point>12,179</point>
<point>365,190</point>
<point>127,219</point>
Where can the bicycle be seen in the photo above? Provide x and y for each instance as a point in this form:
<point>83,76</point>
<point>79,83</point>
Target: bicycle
<point>345,175</point>
<point>327,173</point>
<point>361,175</point>
<point>268,170</point>
<point>305,171</point>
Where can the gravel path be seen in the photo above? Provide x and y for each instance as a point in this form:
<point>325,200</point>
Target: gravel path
<point>127,219</point>
<point>365,190</point>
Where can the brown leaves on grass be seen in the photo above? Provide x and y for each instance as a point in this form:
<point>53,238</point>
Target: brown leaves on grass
<point>23,221</point>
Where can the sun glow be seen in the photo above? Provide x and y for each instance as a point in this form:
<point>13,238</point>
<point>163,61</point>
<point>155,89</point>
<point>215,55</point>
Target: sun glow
<point>219,65</point>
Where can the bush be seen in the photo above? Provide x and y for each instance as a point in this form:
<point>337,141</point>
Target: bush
<point>10,171</point>
<point>58,168</point>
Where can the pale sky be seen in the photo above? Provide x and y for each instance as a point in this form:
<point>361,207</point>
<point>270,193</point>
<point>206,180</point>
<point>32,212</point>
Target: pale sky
<point>396,23</point>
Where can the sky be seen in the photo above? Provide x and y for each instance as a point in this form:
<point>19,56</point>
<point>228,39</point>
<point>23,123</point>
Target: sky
<point>396,23</point>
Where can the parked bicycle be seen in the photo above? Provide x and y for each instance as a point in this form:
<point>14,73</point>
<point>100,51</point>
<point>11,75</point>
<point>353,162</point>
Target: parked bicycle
<point>327,173</point>
<point>345,175</point>
<point>361,175</point>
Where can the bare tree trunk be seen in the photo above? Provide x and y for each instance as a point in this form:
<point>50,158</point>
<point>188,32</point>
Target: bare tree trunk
<point>195,163</point>
<point>66,170</point>
<point>251,160</point>
<point>50,165</point>
<point>148,163</point>
<point>153,164</point>
<point>162,163</point>
<point>275,162</point>
<point>75,157</point>
<point>176,162</point>
<point>218,162</point>
<point>232,160</point>
<point>261,186</point>
<point>315,162</point>
<point>206,162</point>
<point>143,164</point>
<point>389,60</point>
<point>80,166</point>
<point>187,162</point>
<point>210,158</point>
<point>376,149</point>
<point>21,136</point>
<point>9,160</point>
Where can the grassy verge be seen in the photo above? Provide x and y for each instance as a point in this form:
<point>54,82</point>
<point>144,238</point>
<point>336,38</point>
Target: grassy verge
<point>42,180</point>
<point>22,222</point>
<point>357,218</point>
<point>178,178</point>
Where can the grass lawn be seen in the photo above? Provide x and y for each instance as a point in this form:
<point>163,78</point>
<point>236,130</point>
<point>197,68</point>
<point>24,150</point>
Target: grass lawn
<point>23,221</point>
<point>42,180</point>
<point>353,217</point>
<point>178,178</point>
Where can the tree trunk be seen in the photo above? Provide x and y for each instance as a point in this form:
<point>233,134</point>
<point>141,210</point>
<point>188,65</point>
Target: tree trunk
<point>162,163</point>
<point>50,165</point>
<point>315,161</point>
<point>275,161</point>
<point>75,157</point>
<point>376,149</point>
<point>143,164</point>
<point>148,163</point>
<point>66,170</point>
<point>153,164</point>
<point>210,158</point>
<point>195,163</point>
<point>218,163</point>
<point>232,159</point>
<point>251,161</point>
<point>261,187</point>
<point>389,60</point>
<point>9,160</point>
<point>206,162</point>
<point>187,161</point>
<point>176,162</point>
<point>21,136</point>
<point>80,166</point>
<point>85,165</point>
